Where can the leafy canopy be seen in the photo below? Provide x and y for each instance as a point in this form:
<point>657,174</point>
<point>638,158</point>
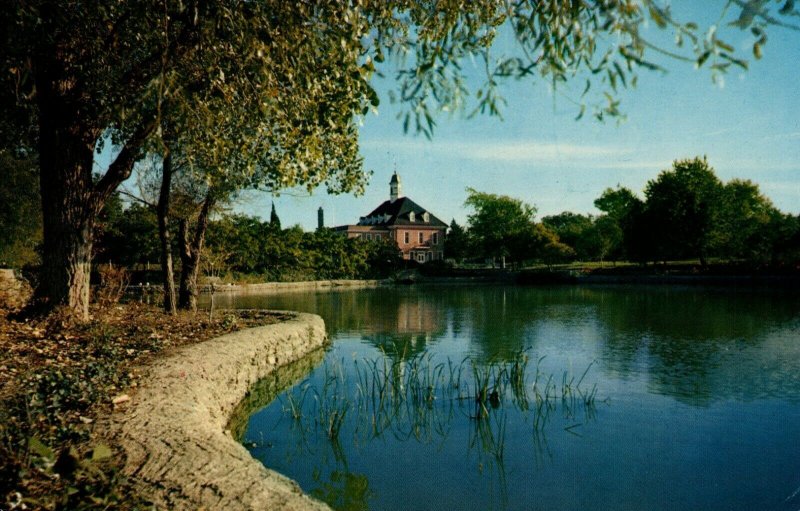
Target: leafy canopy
<point>272,90</point>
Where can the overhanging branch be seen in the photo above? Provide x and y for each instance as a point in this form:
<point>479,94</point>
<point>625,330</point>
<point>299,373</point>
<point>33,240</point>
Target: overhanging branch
<point>121,168</point>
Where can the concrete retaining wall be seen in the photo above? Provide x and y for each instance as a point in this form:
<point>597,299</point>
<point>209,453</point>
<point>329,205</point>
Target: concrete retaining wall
<point>174,429</point>
<point>283,287</point>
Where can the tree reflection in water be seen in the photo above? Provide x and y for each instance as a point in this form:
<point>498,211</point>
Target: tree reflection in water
<point>419,398</point>
<point>689,370</point>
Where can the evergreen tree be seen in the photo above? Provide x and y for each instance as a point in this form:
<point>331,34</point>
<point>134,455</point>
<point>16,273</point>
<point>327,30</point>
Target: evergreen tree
<point>456,243</point>
<point>274,221</point>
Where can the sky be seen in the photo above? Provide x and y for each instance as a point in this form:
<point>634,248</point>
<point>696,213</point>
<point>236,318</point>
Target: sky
<point>748,127</point>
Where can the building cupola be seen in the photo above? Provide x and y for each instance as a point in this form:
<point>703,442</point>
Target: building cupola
<point>394,187</point>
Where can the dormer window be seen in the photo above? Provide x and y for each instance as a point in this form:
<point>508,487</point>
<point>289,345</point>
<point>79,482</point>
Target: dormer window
<point>411,216</point>
<point>426,217</point>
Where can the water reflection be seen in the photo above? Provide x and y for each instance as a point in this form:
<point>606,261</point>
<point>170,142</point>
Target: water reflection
<point>419,402</point>
<point>695,344</point>
<point>343,490</point>
<point>704,387</point>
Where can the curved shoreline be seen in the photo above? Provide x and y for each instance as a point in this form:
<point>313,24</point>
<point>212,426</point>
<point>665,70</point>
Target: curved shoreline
<point>302,286</point>
<point>174,430</point>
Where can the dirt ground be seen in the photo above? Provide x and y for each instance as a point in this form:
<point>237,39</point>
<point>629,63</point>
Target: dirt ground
<point>57,377</point>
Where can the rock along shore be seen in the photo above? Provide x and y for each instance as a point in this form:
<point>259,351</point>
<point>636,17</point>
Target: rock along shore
<point>174,429</point>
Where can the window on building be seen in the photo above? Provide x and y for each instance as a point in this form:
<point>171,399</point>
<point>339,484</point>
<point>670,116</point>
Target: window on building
<point>377,236</point>
<point>369,236</point>
<point>429,256</point>
<point>421,257</point>
<point>411,216</point>
<point>421,237</point>
<point>435,238</point>
<point>406,237</point>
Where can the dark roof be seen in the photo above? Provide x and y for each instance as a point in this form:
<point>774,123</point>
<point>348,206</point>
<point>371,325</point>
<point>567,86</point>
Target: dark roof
<point>397,212</point>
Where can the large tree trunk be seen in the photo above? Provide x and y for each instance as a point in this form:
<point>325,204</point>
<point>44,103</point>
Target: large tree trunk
<point>69,208</point>
<point>190,255</point>
<point>71,200</point>
<point>164,236</point>
<point>68,219</point>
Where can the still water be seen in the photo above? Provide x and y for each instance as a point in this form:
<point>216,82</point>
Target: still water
<point>634,398</point>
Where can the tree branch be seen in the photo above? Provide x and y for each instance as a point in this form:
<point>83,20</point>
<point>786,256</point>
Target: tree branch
<point>132,196</point>
<point>121,168</point>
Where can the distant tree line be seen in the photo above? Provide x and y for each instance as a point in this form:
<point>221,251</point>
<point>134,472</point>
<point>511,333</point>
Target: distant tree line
<point>241,246</point>
<point>686,213</point>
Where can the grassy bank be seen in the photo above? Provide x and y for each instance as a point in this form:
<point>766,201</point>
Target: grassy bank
<point>671,272</point>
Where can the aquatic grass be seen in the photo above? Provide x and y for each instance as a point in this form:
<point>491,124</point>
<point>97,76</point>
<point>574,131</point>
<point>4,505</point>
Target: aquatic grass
<point>332,401</point>
<point>420,397</point>
<point>295,404</point>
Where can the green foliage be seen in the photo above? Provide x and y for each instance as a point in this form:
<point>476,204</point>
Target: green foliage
<point>689,213</point>
<point>617,203</point>
<point>457,242</point>
<point>576,231</point>
<point>743,222</point>
<point>129,237</point>
<point>682,208</point>
<point>20,211</point>
<point>548,248</point>
<point>274,221</point>
<point>619,231</point>
<point>251,247</point>
<point>501,226</point>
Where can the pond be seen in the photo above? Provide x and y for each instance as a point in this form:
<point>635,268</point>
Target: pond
<point>562,398</point>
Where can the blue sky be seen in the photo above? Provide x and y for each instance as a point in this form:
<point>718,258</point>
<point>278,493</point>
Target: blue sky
<point>748,127</point>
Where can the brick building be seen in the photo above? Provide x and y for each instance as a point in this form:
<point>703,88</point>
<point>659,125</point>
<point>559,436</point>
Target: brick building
<point>418,233</point>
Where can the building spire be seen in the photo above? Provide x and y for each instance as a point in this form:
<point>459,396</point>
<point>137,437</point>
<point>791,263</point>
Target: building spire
<point>394,187</point>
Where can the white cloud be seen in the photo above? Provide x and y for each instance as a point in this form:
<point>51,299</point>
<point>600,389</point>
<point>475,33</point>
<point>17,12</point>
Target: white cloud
<point>794,135</point>
<point>635,164</point>
<point>538,151</point>
<point>528,151</point>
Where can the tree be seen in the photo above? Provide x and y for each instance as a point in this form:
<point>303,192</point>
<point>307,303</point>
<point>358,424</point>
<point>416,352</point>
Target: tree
<point>548,248</point>
<point>784,230</point>
<point>129,238</point>
<point>576,231</point>
<point>682,208</point>
<point>280,80</point>
<point>274,221</point>
<point>604,239</point>
<point>499,224</point>
<point>621,224</point>
<point>617,203</point>
<point>83,74</point>
<point>457,242</point>
<point>20,211</point>
<point>742,222</point>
